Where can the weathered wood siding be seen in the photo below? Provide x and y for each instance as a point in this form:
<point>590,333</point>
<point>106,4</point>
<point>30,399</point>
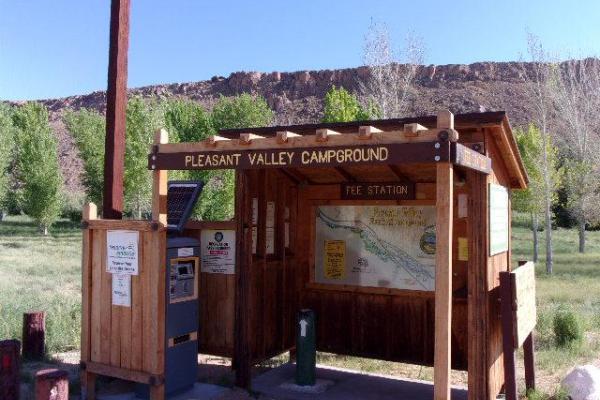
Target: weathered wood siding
<point>124,338</point>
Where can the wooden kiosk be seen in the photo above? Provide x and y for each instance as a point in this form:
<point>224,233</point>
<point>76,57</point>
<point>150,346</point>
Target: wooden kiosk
<point>450,175</point>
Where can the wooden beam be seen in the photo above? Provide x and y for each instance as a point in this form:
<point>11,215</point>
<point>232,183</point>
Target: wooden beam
<point>213,140</point>
<point>412,130</point>
<point>396,171</point>
<point>284,136</point>
<point>88,379</point>
<point>159,184</point>
<point>366,132</point>
<point>345,174</point>
<point>116,105</point>
<point>247,138</point>
<point>322,135</point>
<point>445,119</point>
<point>296,175</point>
<point>443,281</point>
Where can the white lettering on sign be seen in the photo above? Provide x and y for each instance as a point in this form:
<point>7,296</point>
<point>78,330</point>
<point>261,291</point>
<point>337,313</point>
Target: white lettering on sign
<point>303,325</point>
<point>122,252</point>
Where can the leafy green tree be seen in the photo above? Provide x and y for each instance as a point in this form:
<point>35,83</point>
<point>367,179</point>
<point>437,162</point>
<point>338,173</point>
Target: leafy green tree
<point>343,106</point>
<point>143,118</point>
<point>88,130</point>
<point>532,200</point>
<point>6,155</point>
<point>242,111</point>
<point>37,164</point>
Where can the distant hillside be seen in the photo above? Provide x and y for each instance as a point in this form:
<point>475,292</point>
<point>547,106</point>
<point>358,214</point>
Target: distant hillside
<point>296,97</point>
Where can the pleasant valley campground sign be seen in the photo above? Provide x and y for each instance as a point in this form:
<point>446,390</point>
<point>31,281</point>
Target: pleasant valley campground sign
<point>301,157</point>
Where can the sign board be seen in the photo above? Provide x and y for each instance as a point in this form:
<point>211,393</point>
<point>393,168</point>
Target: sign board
<point>217,251</point>
<point>523,296</point>
<point>376,246</point>
<point>122,252</point>
<point>469,158</point>
<point>121,290</point>
<point>377,191</point>
<point>498,219</point>
<point>320,156</point>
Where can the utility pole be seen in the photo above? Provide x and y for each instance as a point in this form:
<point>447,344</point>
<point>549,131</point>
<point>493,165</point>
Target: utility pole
<point>116,105</point>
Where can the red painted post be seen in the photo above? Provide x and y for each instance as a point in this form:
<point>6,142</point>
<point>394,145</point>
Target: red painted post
<point>34,335</point>
<point>51,384</point>
<point>10,365</point>
<point>116,106</point>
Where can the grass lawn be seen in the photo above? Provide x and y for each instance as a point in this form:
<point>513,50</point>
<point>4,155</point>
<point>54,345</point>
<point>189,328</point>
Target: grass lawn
<point>40,273</point>
<point>43,273</point>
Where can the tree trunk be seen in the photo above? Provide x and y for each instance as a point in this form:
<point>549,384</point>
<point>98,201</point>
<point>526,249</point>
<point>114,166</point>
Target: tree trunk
<point>582,236</point>
<point>548,218</point>
<point>534,228</point>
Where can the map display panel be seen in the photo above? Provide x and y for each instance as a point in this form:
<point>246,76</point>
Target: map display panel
<point>376,246</point>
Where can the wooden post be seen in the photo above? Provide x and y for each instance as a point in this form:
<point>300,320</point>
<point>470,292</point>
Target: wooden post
<point>51,384</point>
<point>529,355</point>
<point>242,353</point>
<point>478,369</point>
<point>10,369</point>
<point>508,341</point>
<point>159,184</point>
<point>116,105</point>
<point>443,281</point>
<point>88,379</point>
<point>34,335</point>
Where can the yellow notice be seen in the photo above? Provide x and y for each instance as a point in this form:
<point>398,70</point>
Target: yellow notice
<point>335,259</point>
<point>463,249</point>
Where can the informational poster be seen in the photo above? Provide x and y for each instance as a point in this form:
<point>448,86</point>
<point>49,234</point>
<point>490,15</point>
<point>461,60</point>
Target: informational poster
<point>270,243</point>
<point>498,215</point>
<point>254,239</point>
<point>376,246</point>
<point>335,259</point>
<point>121,290</point>
<point>270,231</point>
<point>463,249</point>
<point>217,251</point>
<point>462,205</point>
<point>254,210</point>
<point>122,252</point>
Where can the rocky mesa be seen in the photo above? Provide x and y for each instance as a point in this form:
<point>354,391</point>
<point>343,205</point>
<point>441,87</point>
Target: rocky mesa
<point>296,97</point>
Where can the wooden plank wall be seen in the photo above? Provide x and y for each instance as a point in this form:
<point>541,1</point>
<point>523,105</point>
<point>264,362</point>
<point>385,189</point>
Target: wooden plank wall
<point>124,338</point>
<point>217,300</point>
<point>392,325</point>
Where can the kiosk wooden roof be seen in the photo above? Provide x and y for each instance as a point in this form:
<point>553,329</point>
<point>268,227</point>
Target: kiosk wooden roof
<point>283,174</point>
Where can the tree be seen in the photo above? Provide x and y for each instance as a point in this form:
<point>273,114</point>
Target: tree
<point>88,130</point>
<point>143,119</point>
<point>242,111</point>
<point>342,106</point>
<point>576,96</point>
<point>390,79</point>
<point>532,199</point>
<point>6,153</point>
<point>539,87</point>
<point>37,164</point>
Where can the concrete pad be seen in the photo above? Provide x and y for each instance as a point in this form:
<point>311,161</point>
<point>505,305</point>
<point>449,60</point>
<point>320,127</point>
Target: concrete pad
<point>200,391</point>
<point>348,385</point>
<point>320,386</point>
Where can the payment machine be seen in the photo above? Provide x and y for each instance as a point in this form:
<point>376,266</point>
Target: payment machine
<point>182,271</point>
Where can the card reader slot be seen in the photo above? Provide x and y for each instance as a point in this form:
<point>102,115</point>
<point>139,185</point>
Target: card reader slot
<point>177,340</point>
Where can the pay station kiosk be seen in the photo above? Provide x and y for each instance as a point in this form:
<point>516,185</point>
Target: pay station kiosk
<point>182,272</point>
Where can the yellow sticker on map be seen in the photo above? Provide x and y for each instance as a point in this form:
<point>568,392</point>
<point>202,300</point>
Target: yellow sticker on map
<point>335,259</point>
<point>463,249</point>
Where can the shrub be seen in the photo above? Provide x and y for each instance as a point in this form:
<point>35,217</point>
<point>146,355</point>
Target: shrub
<point>567,328</point>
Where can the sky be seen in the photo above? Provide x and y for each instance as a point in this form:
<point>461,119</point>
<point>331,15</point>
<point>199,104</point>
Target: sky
<point>57,48</point>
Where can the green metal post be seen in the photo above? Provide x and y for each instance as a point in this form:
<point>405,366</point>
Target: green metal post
<point>306,348</point>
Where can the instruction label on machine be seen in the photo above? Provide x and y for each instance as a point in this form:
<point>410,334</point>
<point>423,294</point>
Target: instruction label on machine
<point>121,290</point>
<point>122,252</point>
<point>217,251</point>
